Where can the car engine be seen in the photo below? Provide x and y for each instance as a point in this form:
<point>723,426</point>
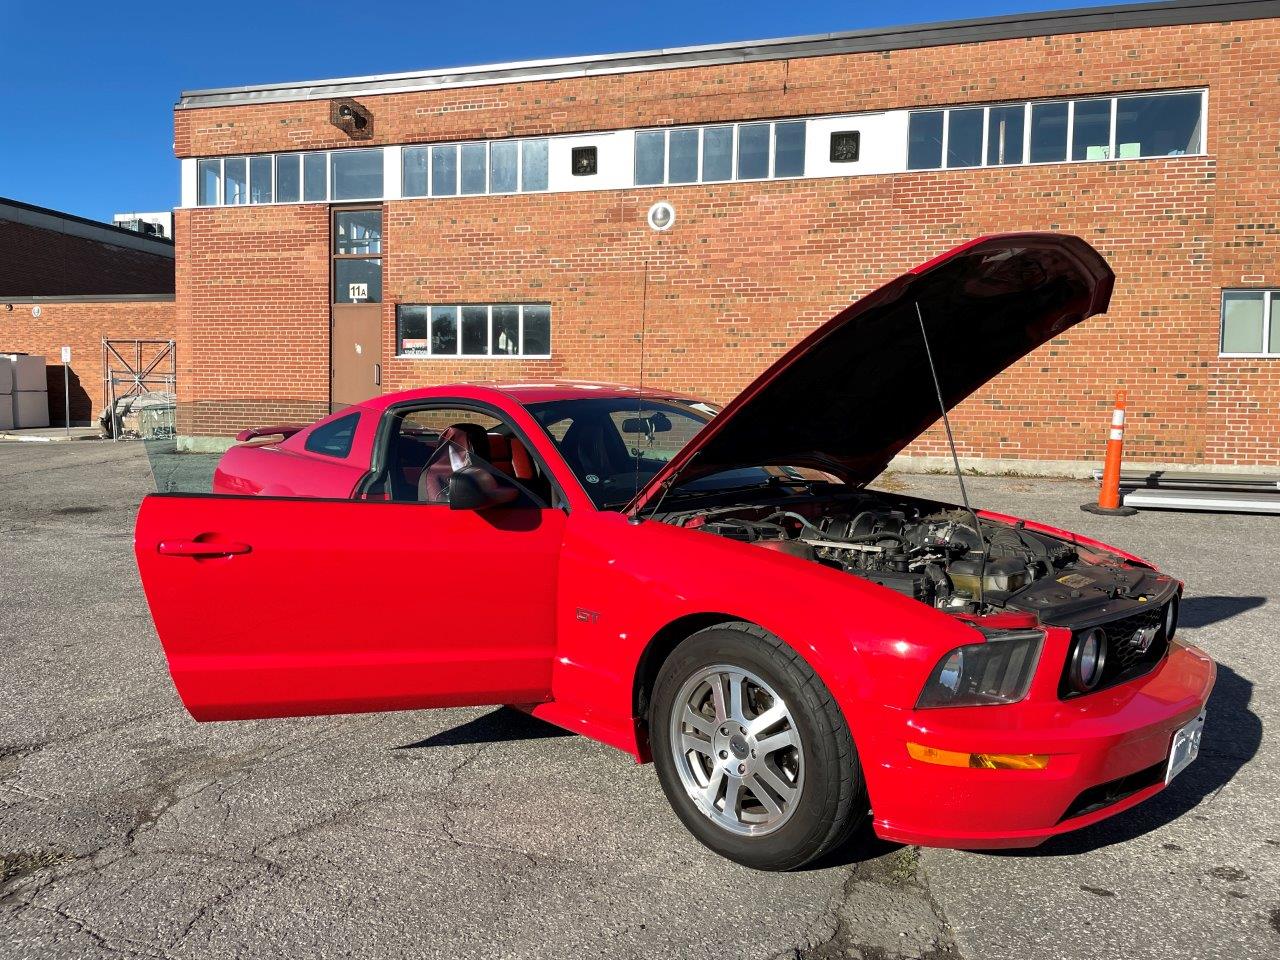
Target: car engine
<point>936,555</point>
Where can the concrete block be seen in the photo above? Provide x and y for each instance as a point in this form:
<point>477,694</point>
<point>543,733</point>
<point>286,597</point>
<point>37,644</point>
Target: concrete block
<point>6,379</point>
<point>30,409</point>
<point>28,371</point>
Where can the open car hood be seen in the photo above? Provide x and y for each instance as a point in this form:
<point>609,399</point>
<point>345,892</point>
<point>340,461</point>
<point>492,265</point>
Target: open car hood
<point>858,389</point>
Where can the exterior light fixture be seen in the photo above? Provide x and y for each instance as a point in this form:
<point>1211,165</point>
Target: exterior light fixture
<point>351,118</point>
<point>662,216</point>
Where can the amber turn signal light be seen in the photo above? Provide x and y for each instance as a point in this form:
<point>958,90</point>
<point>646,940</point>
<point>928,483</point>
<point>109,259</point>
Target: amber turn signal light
<point>985,761</point>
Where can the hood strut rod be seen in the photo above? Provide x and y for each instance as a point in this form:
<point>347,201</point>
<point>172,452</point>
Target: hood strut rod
<point>955,459</point>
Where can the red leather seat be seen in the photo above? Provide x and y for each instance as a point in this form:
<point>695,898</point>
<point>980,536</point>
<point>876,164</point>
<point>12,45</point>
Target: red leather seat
<point>461,440</point>
<point>510,456</point>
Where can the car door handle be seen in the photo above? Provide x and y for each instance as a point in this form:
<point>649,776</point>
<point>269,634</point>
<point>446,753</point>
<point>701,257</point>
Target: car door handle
<point>201,548</point>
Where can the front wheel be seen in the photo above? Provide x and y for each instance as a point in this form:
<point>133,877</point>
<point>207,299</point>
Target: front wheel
<point>752,750</point>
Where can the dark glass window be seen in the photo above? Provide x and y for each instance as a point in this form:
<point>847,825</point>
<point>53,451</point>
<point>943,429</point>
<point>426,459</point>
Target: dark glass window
<point>506,329</point>
<point>717,154</point>
<point>537,330</point>
<point>533,165</point>
<point>357,232</point>
<point>753,151</point>
<point>1048,132</point>
<point>651,157</point>
<point>288,178</point>
<point>209,173</point>
<point>413,330</point>
<point>504,166</point>
<point>684,156</point>
<point>1160,126</point>
<point>357,174</point>
<point>413,165</point>
<point>333,439</point>
<point>314,187</point>
<point>444,330</point>
<point>1091,130</point>
<point>260,179</point>
<point>353,277</point>
<point>475,330</point>
<point>475,163</point>
<point>1004,134</point>
<point>235,185</point>
<point>924,140</point>
<point>444,170</point>
<point>964,137</point>
<point>788,149</point>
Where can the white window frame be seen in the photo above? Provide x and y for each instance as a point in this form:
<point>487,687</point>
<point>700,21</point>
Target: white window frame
<point>457,309</point>
<point>1269,294</point>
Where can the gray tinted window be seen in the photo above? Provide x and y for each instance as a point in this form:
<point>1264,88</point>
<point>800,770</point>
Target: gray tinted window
<point>474,167</point>
<point>506,329</point>
<point>717,153</point>
<point>1242,321</point>
<point>1004,134</point>
<point>753,151</point>
<point>503,166</point>
<point>444,330</point>
<point>537,330</point>
<point>788,150</point>
<point>313,177</point>
<point>651,157</point>
<point>357,174</point>
<point>1048,132</point>
<point>209,173</point>
<point>1158,126</point>
<point>347,273</point>
<point>412,329</point>
<point>333,439</point>
<point>288,178</point>
<point>924,140</point>
<point>413,165</point>
<point>475,330</point>
<point>260,179</point>
<point>533,165</point>
<point>444,170</point>
<point>235,188</point>
<point>684,156</point>
<point>1091,130</point>
<point>964,138</point>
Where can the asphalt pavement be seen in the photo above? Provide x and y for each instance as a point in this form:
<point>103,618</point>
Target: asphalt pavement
<point>127,829</point>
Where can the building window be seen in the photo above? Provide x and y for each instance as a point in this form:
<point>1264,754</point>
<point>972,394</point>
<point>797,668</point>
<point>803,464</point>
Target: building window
<point>288,178</point>
<point>1251,323</point>
<point>357,256</point>
<point>235,181</point>
<point>746,151</point>
<point>474,169</point>
<point>473,330</point>
<point>209,176</point>
<point>355,175</point>
<point>260,179</point>
<point>1127,127</point>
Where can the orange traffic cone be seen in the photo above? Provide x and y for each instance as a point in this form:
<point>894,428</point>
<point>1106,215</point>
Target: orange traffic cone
<point>1109,494</point>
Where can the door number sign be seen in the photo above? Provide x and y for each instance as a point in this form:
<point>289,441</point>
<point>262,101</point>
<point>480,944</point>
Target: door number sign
<point>357,291</point>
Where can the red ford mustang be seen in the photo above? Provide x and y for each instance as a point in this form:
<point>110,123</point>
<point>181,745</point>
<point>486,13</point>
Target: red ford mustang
<point>719,593</point>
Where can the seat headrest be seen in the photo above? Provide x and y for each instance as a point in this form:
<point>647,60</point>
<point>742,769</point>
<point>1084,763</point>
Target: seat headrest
<point>468,436</point>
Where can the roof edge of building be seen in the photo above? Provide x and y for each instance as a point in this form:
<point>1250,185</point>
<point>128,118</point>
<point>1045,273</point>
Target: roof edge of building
<point>874,40</point>
<point>87,298</point>
<point>55,220</point>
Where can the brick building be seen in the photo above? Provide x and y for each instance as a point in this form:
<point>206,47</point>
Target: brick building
<point>70,282</point>
<point>345,237</point>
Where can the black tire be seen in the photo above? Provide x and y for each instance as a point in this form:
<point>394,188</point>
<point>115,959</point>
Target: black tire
<point>832,796</point>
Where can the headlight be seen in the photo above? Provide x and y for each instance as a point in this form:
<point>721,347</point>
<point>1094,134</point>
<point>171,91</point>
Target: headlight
<point>1171,617</point>
<point>998,671</point>
<point>1088,659</point>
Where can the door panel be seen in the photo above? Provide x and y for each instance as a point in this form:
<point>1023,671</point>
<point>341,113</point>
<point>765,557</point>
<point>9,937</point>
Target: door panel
<point>272,608</point>
<point>356,353</point>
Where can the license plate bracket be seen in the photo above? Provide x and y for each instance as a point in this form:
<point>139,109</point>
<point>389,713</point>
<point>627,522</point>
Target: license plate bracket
<point>1185,747</point>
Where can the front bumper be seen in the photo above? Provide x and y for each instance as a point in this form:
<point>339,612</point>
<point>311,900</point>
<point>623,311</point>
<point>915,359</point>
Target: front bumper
<point>1106,751</point>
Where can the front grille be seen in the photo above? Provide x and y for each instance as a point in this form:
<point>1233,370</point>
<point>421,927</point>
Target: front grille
<point>1126,660</point>
<point>1113,791</point>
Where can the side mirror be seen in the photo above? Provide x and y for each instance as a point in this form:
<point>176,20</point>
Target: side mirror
<point>474,488</point>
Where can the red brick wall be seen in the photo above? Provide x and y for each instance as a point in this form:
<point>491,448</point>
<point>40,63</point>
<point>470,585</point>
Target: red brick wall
<point>82,327</point>
<point>750,268</point>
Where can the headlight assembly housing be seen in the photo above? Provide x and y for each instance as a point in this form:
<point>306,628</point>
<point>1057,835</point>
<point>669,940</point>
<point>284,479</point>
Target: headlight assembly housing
<point>981,674</point>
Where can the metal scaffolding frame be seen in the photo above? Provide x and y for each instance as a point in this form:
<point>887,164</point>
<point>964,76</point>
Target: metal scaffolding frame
<point>136,377</point>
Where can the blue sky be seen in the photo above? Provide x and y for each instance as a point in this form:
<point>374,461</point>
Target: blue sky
<point>90,86</point>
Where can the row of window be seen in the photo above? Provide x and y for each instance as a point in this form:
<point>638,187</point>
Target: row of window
<point>474,330</point>
<point>1107,128</point>
<point>1251,323</point>
<point>468,169</point>
<point>743,151</point>
<point>290,178</point>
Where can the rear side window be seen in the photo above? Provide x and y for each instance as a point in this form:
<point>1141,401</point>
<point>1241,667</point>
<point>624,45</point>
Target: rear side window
<point>334,439</point>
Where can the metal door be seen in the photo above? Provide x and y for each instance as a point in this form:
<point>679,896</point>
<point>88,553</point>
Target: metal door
<point>355,342</point>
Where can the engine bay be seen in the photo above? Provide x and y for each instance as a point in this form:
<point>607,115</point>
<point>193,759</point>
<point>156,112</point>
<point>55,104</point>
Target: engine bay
<point>940,555</point>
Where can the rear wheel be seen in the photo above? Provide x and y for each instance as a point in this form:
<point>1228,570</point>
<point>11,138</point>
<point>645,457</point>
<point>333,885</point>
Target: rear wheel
<point>752,750</point>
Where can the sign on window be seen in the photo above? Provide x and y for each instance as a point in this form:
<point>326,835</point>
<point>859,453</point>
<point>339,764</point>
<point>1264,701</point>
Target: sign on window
<point>357,292</point>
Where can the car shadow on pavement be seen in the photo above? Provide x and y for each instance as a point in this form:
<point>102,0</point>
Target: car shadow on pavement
<point>1203,611</point>
<point>499,726</point>
<point>1232,735</point>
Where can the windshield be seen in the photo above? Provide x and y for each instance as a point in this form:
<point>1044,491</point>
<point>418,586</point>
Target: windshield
<point>614,445</point>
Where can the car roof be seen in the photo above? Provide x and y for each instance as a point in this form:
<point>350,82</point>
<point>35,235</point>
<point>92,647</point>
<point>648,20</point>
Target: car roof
<point>525,392</point>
